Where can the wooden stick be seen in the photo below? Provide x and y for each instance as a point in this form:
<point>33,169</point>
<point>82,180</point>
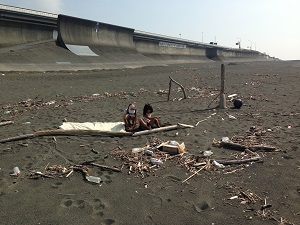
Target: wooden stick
<point>6,123</point>
<point>239,147</point>
<point>222,104</point>
<point>103,167</point>
<point>193,174</point>
<point>170,84</point>
<point>167,128</point>
<point>262,148</point>
<point>241,161</point>
<point>233,146</point>
<point>24,136</point>
<point>67,133</point>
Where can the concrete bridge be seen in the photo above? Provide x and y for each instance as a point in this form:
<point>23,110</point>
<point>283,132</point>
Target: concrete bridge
<point>38,41</point>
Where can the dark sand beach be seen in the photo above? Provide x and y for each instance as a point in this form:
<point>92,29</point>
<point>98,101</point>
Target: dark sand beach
<point>40,101</point>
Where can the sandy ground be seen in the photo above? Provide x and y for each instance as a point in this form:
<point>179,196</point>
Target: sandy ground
<point>270,92</point>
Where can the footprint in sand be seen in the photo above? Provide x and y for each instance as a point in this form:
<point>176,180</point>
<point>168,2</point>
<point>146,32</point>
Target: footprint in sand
<point>96,204</point>
<point>98,207</point>
<point>106,179</point>
<point>69,202</point>
<point>57,185</point>
<point>201,207</point>
<point>66,202</point>
<point>108,222</point>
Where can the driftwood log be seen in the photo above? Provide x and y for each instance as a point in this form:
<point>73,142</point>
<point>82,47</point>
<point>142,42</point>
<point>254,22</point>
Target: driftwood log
<point>239,161</point>
<point>4,123</point>
<point>182,88</point>
<point>167,128</point>
<point>66,133</point>
<point>240,147</point>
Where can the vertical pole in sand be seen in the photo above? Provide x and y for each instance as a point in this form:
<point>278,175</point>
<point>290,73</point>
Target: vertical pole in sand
<point>170,84</point>
<point>222,104</point>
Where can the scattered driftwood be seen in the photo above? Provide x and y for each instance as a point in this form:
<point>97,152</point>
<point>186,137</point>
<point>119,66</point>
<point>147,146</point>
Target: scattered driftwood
<point>182,88</point>
<point>167,128</point>
<point>4,123</point>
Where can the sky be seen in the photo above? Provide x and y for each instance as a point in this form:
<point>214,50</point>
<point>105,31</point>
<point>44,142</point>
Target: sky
<point>269,26</point>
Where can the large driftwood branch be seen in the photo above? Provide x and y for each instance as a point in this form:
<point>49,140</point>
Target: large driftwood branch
<point>182,88</point>
<point>66,133</point>
<point>167,128</point>
<point>6,123</point>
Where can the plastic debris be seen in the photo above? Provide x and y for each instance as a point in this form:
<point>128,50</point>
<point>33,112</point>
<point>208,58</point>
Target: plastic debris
<point>155,161</point>
<point>218,165</point>
<point>137,150</point>
<point>225,139</point>
<point>231,96</point>
<point>93,179</point>
<point>207,153</point>
<point>232,117</point>
<point>148,152</point>
<point>16,172</point>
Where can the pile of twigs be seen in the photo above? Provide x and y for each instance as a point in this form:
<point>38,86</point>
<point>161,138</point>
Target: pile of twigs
<point>139,163</point>
<point>60,171</point>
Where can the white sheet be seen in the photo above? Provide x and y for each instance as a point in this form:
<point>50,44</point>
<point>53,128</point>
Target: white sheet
<point>102,126</point>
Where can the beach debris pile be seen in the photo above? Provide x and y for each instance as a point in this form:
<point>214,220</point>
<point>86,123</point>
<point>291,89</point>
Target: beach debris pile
<point>255,139</point>
<point>253,203</point>
<point>157,153</point>
<point>144,160</point>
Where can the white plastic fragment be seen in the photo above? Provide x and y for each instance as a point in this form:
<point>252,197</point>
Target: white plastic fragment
<point>93,179</point>
<point>16,172</point>
<point>232,117</point>
<point>207,153</point>
<point>218,165</point>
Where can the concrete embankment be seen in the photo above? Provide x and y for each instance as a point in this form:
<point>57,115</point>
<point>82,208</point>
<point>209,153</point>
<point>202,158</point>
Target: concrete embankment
<point>38,42</point>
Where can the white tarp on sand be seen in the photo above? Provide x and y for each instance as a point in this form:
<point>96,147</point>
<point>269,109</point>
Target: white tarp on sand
<point>101,126</point>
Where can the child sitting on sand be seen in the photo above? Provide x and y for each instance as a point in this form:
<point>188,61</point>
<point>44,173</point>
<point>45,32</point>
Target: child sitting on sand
<point>147,122</point>
<point>130,117</point>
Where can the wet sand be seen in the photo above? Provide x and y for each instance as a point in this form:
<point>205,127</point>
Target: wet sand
<point>270,93</point>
